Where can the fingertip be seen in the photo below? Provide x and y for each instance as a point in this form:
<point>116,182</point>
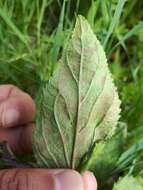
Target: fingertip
<point>17,110</point>
<point>90,182</point>
<point>69,179</point>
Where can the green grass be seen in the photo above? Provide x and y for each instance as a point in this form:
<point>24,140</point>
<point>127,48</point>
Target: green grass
<point>33,34</point>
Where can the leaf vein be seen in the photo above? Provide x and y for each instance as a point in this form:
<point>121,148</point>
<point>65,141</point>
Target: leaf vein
<point>60,132</point>
<point>44,138</point>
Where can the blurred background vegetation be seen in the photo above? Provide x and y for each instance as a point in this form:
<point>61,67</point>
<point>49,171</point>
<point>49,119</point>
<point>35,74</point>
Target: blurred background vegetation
<point>33,33</point>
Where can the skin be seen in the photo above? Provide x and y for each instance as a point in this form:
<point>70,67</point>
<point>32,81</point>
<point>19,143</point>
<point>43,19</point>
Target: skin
<point>17,111</point>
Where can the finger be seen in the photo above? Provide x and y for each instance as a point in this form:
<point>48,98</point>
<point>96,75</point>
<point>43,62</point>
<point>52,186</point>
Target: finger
<point>19,139</point>
<point>16,107</point>
<point>37,179</point>
<point>90,182</point>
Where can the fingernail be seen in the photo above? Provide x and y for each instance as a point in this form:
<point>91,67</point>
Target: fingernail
<point>69,180</point>
<point>11,116</point>
<point>90,182</point>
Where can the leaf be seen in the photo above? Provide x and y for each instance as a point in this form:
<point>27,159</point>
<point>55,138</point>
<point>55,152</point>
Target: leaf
<point>105,154</point>
<point>140,178</point>
<point>78,106</point>
<point>128,182</point>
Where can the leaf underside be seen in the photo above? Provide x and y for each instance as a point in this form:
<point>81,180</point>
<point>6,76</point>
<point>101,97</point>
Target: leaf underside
<point>78,106</point>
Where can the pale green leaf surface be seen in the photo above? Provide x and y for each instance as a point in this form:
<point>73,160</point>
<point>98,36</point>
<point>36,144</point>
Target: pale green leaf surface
<point>140,178</point>
<point>78,106</point>
<point>128,182</point>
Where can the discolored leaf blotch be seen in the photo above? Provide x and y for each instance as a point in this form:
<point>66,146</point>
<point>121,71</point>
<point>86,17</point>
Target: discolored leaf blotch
<point>78,106</point>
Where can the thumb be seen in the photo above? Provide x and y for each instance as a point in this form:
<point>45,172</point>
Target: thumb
<point>37,179</point>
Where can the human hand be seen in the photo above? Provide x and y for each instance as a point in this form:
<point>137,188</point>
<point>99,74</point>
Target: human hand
<point>17,111</point>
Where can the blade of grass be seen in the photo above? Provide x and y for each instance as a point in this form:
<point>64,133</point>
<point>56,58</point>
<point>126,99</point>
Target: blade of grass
<point>129,34</point>
<point>105,12</point>
<point>8,72</point>
<point>133,31</point>
<point>93,12</point>
<point>45,4</point>
<point>114,21</point>
<point>14,59</point>
<point>128,156</point>
<point>16,31</point>
<point>28,14</point>
<point>77,6</point>
<point>57,41</point>
<point>130,8</point>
